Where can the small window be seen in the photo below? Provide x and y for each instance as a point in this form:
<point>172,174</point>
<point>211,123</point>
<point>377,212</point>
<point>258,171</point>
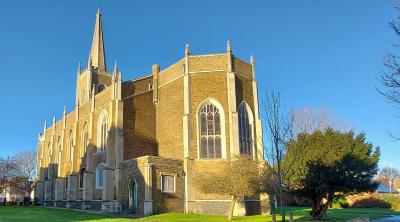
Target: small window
<point>66,183</point>
<point>168,183</point>
<point>99,175</point>
<point>81,176</point>
<point>100,88</point>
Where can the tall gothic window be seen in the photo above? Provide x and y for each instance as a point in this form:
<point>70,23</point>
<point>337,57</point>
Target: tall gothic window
<point>210,131</point>
<point>59,145</point>
<point>81,174</point>
<point>85,140</point>
<point>102,132</point>
<point>245,131</point>
<point>99,175</point>
<point>83,96</point>
<point>71,146</point>
<point>49,150</point>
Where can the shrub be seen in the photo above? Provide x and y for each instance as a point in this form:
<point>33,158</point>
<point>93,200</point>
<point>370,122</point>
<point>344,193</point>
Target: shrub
<point>393,200</point>
<point>371,202</point>
<point>340,203</point>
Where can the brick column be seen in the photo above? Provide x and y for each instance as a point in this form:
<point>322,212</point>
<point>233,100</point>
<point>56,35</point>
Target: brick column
<point>108,184</point>
<point>148,195</point>
<point>88,186</point>
<point>72,187</point>
<point>39,191</point>
<point>48,190</point>
<point>59,188</point>
<point>187,135</point>
<point>232,110</point>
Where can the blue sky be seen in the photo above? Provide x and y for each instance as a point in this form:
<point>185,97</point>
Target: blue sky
<point>317,53</point>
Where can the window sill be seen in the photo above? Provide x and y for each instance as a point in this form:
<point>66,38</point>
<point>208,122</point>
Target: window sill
<point>211,159</point>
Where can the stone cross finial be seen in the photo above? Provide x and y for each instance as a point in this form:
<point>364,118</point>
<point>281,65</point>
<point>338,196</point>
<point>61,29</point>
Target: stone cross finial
<point>228,46</point>
<point>187,49</point>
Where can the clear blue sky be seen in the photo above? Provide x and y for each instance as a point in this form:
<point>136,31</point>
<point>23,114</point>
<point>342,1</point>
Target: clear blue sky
<point>317,53</point>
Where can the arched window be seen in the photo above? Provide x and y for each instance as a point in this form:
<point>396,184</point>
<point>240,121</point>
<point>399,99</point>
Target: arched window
<point>102,132</point>
<point>59,148</point>
<point>100,88</point>
<point>49,152</point>
<point>84,140</point>
<point>245,129</point>
<point>71,146</point>
<point>210,131</point>
<point>81,173</point>
<point>83,96</point>
<point>99,175</point>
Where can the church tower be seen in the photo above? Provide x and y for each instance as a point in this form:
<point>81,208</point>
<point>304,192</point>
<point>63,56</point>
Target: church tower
<point>95,76</point>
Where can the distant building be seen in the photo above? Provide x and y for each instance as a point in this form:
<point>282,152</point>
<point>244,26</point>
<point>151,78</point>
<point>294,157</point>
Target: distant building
<point>384,188</point>
<point>13,194</point>
<point>138,145</point>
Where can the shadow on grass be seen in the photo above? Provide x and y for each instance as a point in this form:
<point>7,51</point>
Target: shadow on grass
<point>40,214</point>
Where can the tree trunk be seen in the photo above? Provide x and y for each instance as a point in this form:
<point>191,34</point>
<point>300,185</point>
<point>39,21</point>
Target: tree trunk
<point>319,209</point>
<point>230,215</point>
<point>282,208</point>
<point>280,183</point>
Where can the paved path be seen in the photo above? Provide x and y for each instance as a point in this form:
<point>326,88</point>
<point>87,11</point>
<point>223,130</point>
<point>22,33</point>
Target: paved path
<point>388,219</point>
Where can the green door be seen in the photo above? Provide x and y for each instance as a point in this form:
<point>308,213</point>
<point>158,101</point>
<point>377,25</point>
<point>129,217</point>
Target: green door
<point>134,195</point>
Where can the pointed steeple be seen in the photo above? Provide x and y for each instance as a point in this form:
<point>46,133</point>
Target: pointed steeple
<point>79,68</point>
<point>115,67</point>
<point>44,128</point>
<point>97,54</point>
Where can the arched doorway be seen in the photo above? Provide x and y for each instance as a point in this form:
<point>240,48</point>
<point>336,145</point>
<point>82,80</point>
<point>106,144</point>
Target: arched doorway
<point>133,196</point>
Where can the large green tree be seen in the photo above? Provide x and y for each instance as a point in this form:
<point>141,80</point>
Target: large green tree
<point>332,164</point>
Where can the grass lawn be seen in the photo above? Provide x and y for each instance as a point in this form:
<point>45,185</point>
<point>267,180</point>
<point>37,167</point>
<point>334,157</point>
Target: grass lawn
<point>39,214</point>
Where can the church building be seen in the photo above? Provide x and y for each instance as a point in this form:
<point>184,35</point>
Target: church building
<point>137,145</point>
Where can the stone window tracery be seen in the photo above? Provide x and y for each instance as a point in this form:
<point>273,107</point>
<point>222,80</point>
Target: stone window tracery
<point>102,132</point>
<point>85,140</point>
<point>99,175</point>
<point>245,130</point>
<point>210,131</point>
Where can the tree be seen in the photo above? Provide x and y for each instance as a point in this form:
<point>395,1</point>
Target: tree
<point>278,131</point>
<point>387,175</point>
<point>6,167</point>
<point>241,179</point>
<point>23,171</point>
<point>390,76</point>
<point>310,119</point>
<point>332,164</point>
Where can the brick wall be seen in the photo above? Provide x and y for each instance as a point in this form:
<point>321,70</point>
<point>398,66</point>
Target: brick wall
<point>209,85</point>
<point>139,126</point>
<point>169,113</point>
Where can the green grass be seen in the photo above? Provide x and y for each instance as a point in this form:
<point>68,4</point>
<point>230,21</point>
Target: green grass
<point>39,214</point>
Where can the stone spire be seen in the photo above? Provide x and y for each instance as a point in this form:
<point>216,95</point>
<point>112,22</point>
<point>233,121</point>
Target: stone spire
<point>115,67</point>
<point>44,129</point>
<point>79,68</point>
<point>97,54</point>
